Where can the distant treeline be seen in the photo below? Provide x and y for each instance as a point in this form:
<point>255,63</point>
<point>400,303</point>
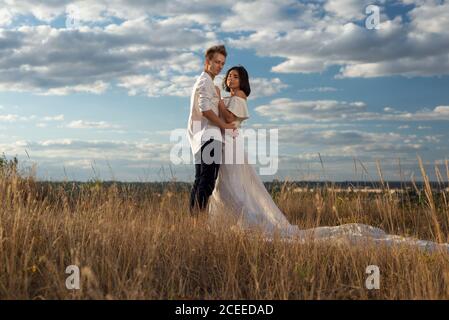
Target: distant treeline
<point>272,186</point>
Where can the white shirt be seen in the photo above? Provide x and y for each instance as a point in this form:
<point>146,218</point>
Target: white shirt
<point>204,97</point>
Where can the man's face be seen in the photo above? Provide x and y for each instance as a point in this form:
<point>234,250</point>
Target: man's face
<point>216,64</point>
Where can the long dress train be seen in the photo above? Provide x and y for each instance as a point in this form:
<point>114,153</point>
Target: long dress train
<point>239,192</point>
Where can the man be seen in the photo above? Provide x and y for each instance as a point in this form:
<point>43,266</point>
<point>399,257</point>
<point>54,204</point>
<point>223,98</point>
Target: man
<point>204,129</point>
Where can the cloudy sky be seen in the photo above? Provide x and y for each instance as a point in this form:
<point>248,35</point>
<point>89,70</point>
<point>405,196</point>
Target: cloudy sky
<point>94,88</point>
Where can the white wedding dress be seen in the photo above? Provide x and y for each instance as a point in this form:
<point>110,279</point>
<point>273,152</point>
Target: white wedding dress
<point>240,194</point>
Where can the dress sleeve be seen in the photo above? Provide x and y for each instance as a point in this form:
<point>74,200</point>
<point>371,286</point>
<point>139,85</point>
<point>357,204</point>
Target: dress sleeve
<point>204,95</point>
<point>238,107</point>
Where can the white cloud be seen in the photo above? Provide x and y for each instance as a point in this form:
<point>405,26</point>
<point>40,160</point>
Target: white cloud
<point>319,89</point>
<point>5,17</point>
<point>59,117</point>
<point>320,110</point>
<point>438,113</point>
<point>310,36</point>
<point>82,124</point>
<point>90,149</point>
<point>155,86</point>
<point>97,87</point>
<point>347,9</point>
<point>128,159</point>
<point>200,11</point>
<point>16,117</point>
<point>258,14</point>
<point>51,61</point>
<point>430,17</point>
<point>345,144</point>
<point>331,110</point>
<point>332,38</point>
<point>8,117</point>
<point>264,87</point>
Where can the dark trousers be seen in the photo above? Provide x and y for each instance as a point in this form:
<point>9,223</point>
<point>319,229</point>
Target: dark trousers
<point>207,164</point>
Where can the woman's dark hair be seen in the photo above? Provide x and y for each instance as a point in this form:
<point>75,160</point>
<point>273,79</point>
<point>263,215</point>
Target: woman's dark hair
<point>243,79</point>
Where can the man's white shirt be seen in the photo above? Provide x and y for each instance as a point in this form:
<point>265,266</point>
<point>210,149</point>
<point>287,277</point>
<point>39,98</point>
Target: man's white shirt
<point>204,97</point>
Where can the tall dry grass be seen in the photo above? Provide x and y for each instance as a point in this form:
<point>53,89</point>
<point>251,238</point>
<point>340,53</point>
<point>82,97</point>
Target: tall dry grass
<point>136,244</point>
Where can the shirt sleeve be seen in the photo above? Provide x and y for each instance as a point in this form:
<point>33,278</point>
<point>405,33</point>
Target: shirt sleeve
<point>204,95</point>
<point>239,108</point>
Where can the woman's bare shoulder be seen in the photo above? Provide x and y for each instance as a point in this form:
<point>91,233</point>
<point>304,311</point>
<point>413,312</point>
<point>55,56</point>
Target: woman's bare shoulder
<point>241,94</point>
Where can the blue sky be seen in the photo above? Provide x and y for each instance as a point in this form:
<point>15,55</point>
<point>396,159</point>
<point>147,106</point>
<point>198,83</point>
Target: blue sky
<point>99,99</point>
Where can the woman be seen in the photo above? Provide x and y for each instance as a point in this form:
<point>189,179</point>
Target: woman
<point>240,193</point>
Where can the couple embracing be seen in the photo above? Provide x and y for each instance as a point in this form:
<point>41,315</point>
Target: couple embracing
<point>228,187</point>
<point>235,189</point>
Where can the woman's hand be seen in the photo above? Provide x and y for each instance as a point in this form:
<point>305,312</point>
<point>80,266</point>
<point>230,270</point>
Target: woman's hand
<point>231,126</point>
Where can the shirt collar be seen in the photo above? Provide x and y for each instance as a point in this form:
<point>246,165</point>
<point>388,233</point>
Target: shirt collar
<point>207,74</point>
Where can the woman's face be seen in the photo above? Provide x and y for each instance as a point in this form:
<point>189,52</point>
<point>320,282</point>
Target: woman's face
<point>233,80</point>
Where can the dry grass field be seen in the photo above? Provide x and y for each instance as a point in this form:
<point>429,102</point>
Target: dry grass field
<point>142,244</point>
